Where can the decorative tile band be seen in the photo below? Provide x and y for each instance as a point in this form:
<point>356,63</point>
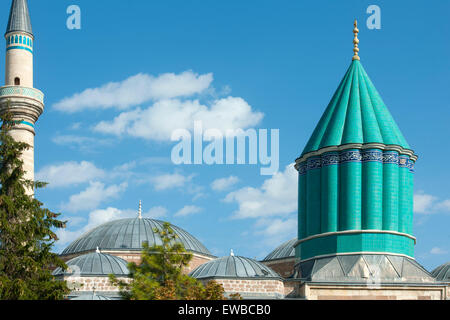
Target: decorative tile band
<point>334,158</point>
<point>19,48</point>
<point>372,156</point>
<point>403,162</point>
<point>314,163</point>
<point>329,159</point>
<point>351,156</point>
<point>411,166</point>
<point>302,168</point>
<point>27,123</point>
<point>390,157</point>
<point>22,91</point>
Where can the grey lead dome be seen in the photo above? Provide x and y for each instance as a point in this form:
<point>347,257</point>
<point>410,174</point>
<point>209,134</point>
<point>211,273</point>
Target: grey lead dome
<point>19,17</point>
<point>442,273</point>
<point>94,264</point>
<point>234,267</point>
<point>286,250</point>
<point>129,235</point>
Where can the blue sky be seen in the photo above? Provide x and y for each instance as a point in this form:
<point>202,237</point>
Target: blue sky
<point>282,59</point>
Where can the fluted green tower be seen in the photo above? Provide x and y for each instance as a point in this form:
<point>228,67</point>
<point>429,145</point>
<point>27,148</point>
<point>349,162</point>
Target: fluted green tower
<point>355,179</point>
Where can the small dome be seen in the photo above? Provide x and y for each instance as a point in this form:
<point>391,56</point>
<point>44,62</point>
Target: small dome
<point>234,267</point>
<point>128,235</point>
<point>286,250</point>
<point>94,264</point>
<point>91,297</point>
<point>442,273</point>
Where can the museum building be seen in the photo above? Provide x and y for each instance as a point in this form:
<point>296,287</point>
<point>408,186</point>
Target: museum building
<point>355,205</point>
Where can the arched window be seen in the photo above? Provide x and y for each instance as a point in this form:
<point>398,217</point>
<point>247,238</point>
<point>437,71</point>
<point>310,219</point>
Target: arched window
<point>20,39</point>
<point>16,39</point>
<point>17,81</point>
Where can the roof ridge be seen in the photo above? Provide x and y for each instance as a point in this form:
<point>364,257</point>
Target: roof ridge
<point>365,87</point>
<point>339,115</point>
<point>353,109</point>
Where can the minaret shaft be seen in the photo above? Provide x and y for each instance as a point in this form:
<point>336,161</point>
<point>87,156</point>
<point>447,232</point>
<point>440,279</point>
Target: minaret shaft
<point>18,96</point>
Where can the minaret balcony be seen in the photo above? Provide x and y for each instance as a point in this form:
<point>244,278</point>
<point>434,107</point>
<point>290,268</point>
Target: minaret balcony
<point>24,102</point>
<point>18,91</point>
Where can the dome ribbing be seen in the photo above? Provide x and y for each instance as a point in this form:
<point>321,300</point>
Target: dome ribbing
<point>128,235</point>
<point>442,273</point>
<point>356,114</point>
<point>234,267</point>
<point>286,250</point>
<point>94,264</point>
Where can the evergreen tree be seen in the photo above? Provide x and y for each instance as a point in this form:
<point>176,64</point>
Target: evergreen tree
<point>160,275</point>
<point>26,236</point>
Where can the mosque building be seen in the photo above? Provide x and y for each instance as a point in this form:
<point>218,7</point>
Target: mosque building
<point>355,205</point>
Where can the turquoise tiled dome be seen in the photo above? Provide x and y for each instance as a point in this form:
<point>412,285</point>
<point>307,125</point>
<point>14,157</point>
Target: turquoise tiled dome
<point>234,267</point>
<point>356,114</point>
<point>128,235</point>
<point>94,264</point>
<point>286,250</point>
<point>442,273</point>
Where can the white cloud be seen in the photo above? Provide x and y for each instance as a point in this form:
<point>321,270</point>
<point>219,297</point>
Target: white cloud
<point>437,250</point>
<point>95,194</point>
<point>224,183</point>
<point>276,197</point>
<point>75,221</point>
<point>160,120</point>
<point>81,142</point>
<point>188,210</point>
<point>423,203</point>
<point>96,218</point>
<point>276,231</point>
<point>136,90</point>
<point>170,181</point>
<point>69,173</point>
<point>429,204</point>
<point>444,205</point>
<point>156,212</point>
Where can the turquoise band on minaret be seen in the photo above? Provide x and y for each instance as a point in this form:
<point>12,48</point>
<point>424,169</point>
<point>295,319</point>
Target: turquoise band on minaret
<point>19,48</point>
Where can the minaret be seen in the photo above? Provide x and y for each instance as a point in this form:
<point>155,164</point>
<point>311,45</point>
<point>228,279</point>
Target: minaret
<point>18,96</point>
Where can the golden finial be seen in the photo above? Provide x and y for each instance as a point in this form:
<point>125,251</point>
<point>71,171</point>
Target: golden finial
<point>356,41</point>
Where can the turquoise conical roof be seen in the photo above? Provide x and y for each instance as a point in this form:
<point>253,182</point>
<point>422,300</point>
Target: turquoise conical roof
<point>356,114</point>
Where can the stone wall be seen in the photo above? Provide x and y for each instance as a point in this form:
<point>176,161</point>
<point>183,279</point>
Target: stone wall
<point>135,256</point>
<point>361,292</point>
<point>252,287</point>
<point>97,284</point>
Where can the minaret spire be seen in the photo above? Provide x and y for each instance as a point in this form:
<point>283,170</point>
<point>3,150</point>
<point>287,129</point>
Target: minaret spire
<point>140,209</point>
<point>19,18</point>
<point>355,41</point>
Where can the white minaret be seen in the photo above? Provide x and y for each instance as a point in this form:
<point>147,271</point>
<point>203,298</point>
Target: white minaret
<point>25,103</point>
